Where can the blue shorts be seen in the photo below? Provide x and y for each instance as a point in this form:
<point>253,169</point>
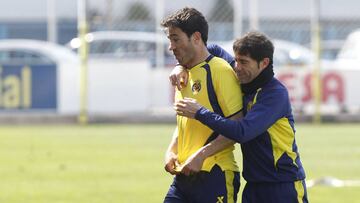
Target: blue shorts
<point>216,186</point>
<point>285,192</point>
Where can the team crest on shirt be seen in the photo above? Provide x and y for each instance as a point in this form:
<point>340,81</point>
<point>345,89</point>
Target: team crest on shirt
<point>196,87</point>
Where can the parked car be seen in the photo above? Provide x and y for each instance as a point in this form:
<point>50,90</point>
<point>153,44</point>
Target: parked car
<point>121,71</point>
<point>124,45</point>
<point>38,76</point>
<point>331,48</point>
<point>33,52</point>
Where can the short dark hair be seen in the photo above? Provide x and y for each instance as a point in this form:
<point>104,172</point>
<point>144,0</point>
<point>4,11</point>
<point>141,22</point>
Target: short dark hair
<point>256,45</point>
<point>189,20</point>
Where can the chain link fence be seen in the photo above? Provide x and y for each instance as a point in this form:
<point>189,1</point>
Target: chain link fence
<point>289,22</point>
<point>280,20</point>
<point>123,34</point>
<point>140,15</point>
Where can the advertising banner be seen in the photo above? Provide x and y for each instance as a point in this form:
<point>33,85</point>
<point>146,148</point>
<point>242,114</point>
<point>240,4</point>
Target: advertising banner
<point>28,87</point>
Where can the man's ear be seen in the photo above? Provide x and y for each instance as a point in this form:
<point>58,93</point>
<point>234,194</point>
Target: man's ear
<point>197,37</point>
<point>264,63</point>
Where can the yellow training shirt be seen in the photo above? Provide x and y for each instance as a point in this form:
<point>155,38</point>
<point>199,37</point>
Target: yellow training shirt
<point>214,85</point>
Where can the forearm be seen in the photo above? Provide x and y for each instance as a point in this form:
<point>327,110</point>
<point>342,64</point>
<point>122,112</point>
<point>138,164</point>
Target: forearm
<point>171,155</point>
<point>217,145</point>
<point>220,143</point>
<point>264,113</point>
<point>173,143</point>
<point>231,129</point>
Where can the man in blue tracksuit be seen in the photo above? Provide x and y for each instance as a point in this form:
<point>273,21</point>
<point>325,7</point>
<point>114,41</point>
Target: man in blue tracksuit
<point>271,162</point>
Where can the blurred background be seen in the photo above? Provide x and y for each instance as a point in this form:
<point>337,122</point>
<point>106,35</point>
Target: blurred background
<point>106,63</point>
<point>125,63</point>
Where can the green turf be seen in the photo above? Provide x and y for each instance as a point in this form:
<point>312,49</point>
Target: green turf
<point>124,163</point>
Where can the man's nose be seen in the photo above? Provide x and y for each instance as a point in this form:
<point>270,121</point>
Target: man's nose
<point>171,47</point>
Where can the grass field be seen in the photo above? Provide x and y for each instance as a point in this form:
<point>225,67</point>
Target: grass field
<point>124,163</point>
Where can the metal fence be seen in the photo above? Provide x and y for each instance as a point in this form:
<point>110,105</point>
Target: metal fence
<point>287,21</point>
<point>114,20</point>
<point>227,19</point>
<point>291,21</point>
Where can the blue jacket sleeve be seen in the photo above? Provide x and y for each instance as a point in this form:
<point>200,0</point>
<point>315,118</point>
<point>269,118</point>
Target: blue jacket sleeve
<point>264,113</point>
<point>216,50</point>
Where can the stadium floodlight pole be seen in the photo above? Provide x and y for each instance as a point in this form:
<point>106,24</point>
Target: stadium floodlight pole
<point>159,12</point>
<point>315,43</point>
<point>83,55</point>
<point>237,18</point>
<point>253,15</point>
<point>51,21</point>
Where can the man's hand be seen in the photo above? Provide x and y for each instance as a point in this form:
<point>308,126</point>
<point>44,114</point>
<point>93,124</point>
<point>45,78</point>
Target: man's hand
<point>179,77</point>
<point>193,164</point>
<point>171,163</point>
<point>187,107</point>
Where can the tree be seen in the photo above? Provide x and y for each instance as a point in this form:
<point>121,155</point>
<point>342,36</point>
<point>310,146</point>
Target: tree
<point>222,11</point>
<point>138,11</point>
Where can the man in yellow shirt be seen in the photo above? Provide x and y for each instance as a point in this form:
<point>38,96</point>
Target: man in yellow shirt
<point>213,83</point>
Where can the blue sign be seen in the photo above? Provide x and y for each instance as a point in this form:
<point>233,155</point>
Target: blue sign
<point>28,87</point>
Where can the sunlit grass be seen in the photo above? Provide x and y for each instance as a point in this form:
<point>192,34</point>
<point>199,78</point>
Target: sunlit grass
<point>124,163</point>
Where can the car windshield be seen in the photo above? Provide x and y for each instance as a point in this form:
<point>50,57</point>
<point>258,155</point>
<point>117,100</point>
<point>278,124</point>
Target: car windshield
<point>23,56</point>
<point>124,45</point>
<point>123,49</point>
